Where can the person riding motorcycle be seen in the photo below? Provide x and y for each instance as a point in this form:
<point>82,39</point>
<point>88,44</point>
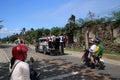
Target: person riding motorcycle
<point>19,69</point>
<point>97,53</point>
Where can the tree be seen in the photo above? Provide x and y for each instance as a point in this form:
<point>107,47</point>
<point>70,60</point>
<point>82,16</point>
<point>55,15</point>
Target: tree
<point>80,37</point>
<point>23,31</point>
<point>87,24</point>
<point>22,34</point>
<point>13,37</point>
<point>116,19</point>
<point>55,30</point>
<point>70,29</point>
<point>80,22</point>
<point>30,36</point>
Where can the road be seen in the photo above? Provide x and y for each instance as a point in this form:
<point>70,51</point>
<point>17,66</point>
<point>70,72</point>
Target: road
<point>61,67</point>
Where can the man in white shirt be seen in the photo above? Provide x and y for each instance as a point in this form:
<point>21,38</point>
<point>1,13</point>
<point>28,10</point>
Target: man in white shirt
<point>61,43</point>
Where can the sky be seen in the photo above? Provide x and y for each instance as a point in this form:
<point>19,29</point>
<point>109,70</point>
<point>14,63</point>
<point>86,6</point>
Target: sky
<point>19,14</point>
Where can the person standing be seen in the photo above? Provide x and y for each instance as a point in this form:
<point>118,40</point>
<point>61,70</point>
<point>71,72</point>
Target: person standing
<point>37,46</point>
<point>61,44</point>
<point>19,69</point>
<point>50,40</point>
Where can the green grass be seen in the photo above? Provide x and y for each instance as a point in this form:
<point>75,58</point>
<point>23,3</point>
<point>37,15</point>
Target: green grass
<point>107,53</point>
<point>111,52</point>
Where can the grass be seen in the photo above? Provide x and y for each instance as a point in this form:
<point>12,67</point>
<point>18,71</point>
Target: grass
<point>115,55</point>
<point>112,54</point>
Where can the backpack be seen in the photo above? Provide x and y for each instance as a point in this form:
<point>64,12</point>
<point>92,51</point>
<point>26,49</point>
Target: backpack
<point>96,49</point>
<point>33,74</point>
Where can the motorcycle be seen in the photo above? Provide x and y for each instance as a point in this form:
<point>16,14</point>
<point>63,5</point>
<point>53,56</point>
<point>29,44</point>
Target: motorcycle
<point>98,62</point>
<point>34,75</point>
<point>84,59</point>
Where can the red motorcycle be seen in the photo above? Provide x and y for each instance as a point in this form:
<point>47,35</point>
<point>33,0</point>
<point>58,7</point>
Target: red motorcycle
<point>98,61</point>
<point>84,59</point>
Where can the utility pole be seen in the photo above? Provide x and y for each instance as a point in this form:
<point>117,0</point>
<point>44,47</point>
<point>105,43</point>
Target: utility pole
<point>86,39</point>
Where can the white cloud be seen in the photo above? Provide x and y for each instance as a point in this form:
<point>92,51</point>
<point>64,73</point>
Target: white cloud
<point>4,32</point>
<point>9,31</point>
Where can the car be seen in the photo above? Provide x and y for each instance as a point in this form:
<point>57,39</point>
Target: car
<point>43,45</point>
<point>52,48</point>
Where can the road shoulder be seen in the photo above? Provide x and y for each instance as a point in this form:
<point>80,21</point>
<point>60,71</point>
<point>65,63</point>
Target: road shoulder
<point>107,60</point>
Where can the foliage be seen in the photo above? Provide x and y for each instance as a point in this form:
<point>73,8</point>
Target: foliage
<point>89,23</point>
<point>80,22</point>
<point>70,28</point>
<point>108,19</point>
<point>116,18</point>
<point>55,30</point>
<point>100,20</point>
<point>13,37</point>
<point>4,40</point>
<point>116,15</point>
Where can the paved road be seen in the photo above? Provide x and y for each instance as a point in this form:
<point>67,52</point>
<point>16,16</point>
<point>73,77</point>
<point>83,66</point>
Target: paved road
<point>61,67</point>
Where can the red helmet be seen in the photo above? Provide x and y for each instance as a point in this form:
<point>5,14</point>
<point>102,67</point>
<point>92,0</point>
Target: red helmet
<point>19,52</point>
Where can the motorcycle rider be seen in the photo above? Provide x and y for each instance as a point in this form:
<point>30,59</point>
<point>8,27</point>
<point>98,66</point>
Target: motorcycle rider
<point>97,53</point>
<point>93,48</point>
<point>18,67</point>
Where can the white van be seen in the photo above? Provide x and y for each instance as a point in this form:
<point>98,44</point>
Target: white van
<point>49,47</point>
<point>43,45</point>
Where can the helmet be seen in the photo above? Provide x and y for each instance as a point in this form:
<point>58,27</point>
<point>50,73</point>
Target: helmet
<point>19,52</point>
<point>97,40</point>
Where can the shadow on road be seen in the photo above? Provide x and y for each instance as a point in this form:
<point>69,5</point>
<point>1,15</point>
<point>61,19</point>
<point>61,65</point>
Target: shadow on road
<point>51,71</point>
<point>4,71</point>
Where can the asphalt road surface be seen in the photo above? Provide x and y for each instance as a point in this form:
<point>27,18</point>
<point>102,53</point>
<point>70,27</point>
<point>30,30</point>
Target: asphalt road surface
<point>60,67</point>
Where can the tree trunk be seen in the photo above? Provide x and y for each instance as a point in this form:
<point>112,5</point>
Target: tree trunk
<point>86,39</point>
<point>70,39</point>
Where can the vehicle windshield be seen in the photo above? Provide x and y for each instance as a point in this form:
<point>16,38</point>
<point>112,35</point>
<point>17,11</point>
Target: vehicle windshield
<point>42,39</point>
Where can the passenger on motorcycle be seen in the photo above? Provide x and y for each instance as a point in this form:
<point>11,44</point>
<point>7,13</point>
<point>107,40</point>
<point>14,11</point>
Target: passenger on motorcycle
<point>97,53</point>
<point>93,49</point>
